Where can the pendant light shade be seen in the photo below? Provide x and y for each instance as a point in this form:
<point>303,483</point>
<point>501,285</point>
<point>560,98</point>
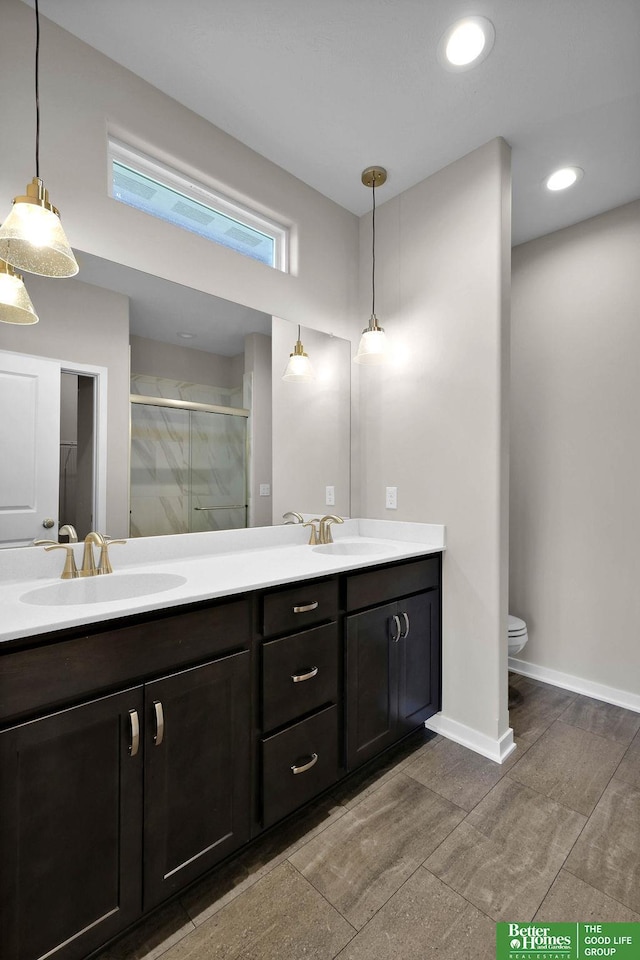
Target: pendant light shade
<point>15,303</point>
<point>373,344</point>
<point>298,369</point>
<point>32,238</point>
<point>372,348</point>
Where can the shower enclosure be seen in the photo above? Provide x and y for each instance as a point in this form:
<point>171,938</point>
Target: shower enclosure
<point>188,467</point>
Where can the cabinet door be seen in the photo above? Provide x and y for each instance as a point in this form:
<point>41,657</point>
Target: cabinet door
<point>419,668</point>
<point>371,683</point>
<point>70,826</point>
<point>197,772</point>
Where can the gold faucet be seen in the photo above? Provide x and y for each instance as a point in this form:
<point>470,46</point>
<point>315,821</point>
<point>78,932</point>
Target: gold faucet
<point>325,527</point>
<point>89,568</point>
<point>295,517</point>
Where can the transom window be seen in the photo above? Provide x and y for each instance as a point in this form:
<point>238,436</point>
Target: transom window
<point>148,185</point>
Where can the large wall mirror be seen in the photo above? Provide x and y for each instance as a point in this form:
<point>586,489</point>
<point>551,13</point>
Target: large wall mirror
<point>210,438</point>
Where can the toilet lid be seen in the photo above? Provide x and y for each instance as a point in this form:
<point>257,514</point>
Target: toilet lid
<point>516,626</point>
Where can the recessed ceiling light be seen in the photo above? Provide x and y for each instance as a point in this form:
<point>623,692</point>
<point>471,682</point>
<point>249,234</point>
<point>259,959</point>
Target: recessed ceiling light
<point>466,43</point>
<point>187,336</point>
<point>563,178</point>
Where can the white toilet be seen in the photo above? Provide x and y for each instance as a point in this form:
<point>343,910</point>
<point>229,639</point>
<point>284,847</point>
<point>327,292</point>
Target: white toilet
<point>518,635</point>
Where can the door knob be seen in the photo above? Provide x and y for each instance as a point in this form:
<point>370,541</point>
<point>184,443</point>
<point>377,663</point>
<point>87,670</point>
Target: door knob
<point>48,523</point>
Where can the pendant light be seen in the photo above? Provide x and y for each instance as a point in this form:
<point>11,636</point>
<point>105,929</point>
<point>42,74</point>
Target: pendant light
<point>15,303</point>
<point>298,369</point>
<point>32,238</point>
<point>373,343</point>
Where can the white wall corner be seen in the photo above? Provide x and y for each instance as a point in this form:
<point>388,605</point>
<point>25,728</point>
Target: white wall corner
<point>496,749</point>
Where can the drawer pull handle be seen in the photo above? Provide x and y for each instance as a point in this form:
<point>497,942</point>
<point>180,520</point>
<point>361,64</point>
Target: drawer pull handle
<point>299,677</point>
<point>403,636</point>
<point>305,766</point>
<point>306,607</point>
<point>135,732</point>
<point>396,636</point>
<point>158,737</point>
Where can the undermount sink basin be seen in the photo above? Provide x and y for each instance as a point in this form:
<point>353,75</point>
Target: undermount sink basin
<point>101,589</point>
<point>353,548</point>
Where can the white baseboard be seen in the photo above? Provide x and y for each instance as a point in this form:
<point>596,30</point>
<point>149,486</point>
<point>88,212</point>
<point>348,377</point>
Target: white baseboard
<point>497,750</point>
<point>589,688</point>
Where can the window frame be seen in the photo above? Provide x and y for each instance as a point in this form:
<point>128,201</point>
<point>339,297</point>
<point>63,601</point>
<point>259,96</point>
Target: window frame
<point>218,202</point>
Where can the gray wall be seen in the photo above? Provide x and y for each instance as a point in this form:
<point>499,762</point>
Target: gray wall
<point>432,423</point>
<point>311,429</point>
<point>575,455</point>
<point>257,362</point>
<point>175,362</point>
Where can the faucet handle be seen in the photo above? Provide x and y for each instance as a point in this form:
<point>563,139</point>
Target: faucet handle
<point>105,563</point>
<point>44,543</point>
<point>313,539</point>
<point>70,571</point>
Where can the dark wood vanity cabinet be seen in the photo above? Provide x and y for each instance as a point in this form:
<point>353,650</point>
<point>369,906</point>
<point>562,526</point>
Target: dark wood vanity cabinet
<point>108,807</point>
<point>70,829</point>
<point>134,759</point>
<point>392,682</point>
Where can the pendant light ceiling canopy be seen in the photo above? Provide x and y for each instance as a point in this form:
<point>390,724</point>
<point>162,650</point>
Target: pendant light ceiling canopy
<point>298,369</point>
<point>372,348</point>
<point>32,238</point>
<point>15,303</point>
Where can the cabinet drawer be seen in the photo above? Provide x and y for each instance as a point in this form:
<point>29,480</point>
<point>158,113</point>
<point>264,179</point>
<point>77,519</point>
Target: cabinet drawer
<point>379,586</point>
<point>299,763</point>
<point>298,607</point>
<point>50,675</point>
<point>299,674</point>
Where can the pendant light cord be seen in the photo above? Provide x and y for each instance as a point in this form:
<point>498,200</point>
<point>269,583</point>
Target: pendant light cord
<point>373,251</point>
<point>37,90</point>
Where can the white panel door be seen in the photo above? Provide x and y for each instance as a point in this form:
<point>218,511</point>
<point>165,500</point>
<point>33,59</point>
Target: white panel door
<point>29,448</point>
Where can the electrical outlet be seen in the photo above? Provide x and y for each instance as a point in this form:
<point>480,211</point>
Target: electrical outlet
<point>330,499</point>
<point>391,500</point>
<point>265,489</point>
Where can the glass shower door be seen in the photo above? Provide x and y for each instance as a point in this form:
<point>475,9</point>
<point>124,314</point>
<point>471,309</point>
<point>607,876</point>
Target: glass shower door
<point>188,470</point>
<point>218,471</point>
<point>159,502</point>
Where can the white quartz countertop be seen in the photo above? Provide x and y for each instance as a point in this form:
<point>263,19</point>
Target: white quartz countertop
<point>34,600</point>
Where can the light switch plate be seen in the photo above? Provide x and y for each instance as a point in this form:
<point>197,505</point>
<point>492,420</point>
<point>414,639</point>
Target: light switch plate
<point>265,489</point>
<point>391,500</point>
<point>330,499</point>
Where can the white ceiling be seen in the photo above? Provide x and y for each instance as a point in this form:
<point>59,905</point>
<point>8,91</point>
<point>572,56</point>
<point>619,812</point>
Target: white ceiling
<point>326,89</point>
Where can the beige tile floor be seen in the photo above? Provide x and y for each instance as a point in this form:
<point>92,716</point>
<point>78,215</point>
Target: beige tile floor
<point>420,856</point>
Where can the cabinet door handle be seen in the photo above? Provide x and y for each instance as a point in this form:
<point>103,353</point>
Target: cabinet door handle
<point>398,633</point>
<point>135,732</point>
<point>405,616</point>
<point>305,766</point>
<point>158,737</point>
<point>299,677</point>
<point>306,607</point>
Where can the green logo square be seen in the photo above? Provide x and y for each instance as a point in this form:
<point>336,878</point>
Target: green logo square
<point>567,941</point>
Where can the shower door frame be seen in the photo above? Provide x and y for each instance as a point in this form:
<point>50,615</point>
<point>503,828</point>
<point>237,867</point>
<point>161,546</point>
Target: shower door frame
<point>194,406</point>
